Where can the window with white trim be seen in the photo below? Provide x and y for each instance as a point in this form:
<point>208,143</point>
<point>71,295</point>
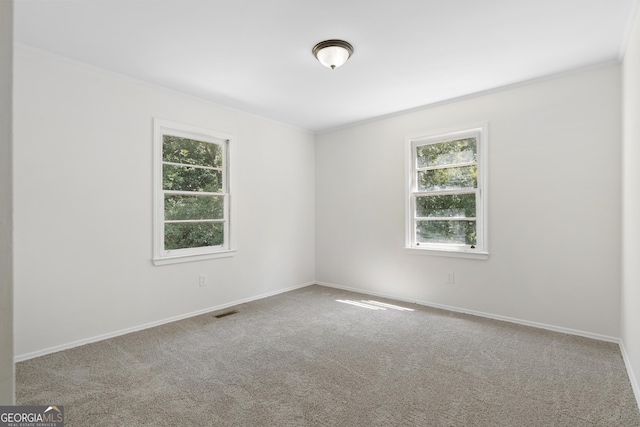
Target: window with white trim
<point>192,203</point>
<point>447,193</point>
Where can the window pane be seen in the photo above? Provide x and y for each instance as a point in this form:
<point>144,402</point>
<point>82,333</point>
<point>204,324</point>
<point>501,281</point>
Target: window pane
<point>184,178</point>
<point>446,153</point>
<point>454,178</point>
<point>451,205</point>
<point>193,235</point>
<point>191,152</point>
<point>456,232</point>
<point>193,207</point>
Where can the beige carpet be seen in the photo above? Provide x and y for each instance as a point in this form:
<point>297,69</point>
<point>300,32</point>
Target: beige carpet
<point>304,358</point>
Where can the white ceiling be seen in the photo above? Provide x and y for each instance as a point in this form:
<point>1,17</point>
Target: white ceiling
<point>255,55</point>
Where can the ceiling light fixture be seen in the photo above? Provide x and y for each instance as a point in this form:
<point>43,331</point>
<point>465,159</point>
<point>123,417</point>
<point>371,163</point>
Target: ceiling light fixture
<point>332,53</point>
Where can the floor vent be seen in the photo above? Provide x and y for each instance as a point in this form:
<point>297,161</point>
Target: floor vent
<point>228,313</point>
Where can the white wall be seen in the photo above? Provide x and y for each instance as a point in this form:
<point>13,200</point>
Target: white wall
<point>83,206</point>
<point>554,206</point>
<point>631,207</point>
<point>6,206</point>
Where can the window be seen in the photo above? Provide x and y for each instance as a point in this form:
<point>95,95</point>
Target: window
<point>447,193</point>
<point>192,204</point>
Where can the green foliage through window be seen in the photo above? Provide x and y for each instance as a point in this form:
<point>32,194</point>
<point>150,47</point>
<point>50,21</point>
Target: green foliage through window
<point>456,232</point>
<point>196,167</point>
<point>446,181</point>
<point>450,206</point>
<point>185,178</point>
<point>191,152</point>
<point>448,178</point>
<point>447,153</point>
<point>179,207</point>
<point>193,235</point>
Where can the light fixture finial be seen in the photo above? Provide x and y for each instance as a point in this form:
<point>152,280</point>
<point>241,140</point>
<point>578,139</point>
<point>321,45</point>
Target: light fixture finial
<point>332,53</point>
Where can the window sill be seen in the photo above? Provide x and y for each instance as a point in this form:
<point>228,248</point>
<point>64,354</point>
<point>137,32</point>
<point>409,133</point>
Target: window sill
<point>446,253</point>
<point>191,258</point>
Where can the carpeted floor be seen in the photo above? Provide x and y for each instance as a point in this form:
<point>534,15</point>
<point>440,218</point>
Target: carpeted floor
<point>305,358</point>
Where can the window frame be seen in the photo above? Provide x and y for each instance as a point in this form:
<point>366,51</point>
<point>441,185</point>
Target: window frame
<point>162,256</point>
<point>481,250</point>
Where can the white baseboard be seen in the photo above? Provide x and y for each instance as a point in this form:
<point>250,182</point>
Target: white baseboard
<point>66,346</point>
<point>42,352</point>
<point>478,313</point>
<point>632,377</point>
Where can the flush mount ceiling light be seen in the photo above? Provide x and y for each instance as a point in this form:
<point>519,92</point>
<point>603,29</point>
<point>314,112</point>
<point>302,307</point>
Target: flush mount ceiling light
<point>332,53</point>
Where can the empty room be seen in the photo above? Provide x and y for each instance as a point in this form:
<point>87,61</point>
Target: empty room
<point>236,213</point>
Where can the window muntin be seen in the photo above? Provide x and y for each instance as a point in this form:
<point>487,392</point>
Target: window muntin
<point>446,205</point>
<point>192,204</point>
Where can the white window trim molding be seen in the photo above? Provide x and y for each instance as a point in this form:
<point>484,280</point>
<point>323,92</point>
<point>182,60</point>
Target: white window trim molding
<point>482,223</point>
<point>160,127</point>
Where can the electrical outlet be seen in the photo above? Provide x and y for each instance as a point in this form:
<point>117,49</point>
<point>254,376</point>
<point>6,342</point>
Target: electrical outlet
<point>450,277</point>
<point>202,281</point>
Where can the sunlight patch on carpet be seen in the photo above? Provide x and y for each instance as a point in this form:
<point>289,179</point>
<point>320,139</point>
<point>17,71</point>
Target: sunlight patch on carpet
<point>374,305</point>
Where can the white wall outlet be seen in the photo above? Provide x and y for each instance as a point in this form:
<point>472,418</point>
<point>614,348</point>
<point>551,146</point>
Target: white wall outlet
<point>202,281</point>
<point>450,277</point>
